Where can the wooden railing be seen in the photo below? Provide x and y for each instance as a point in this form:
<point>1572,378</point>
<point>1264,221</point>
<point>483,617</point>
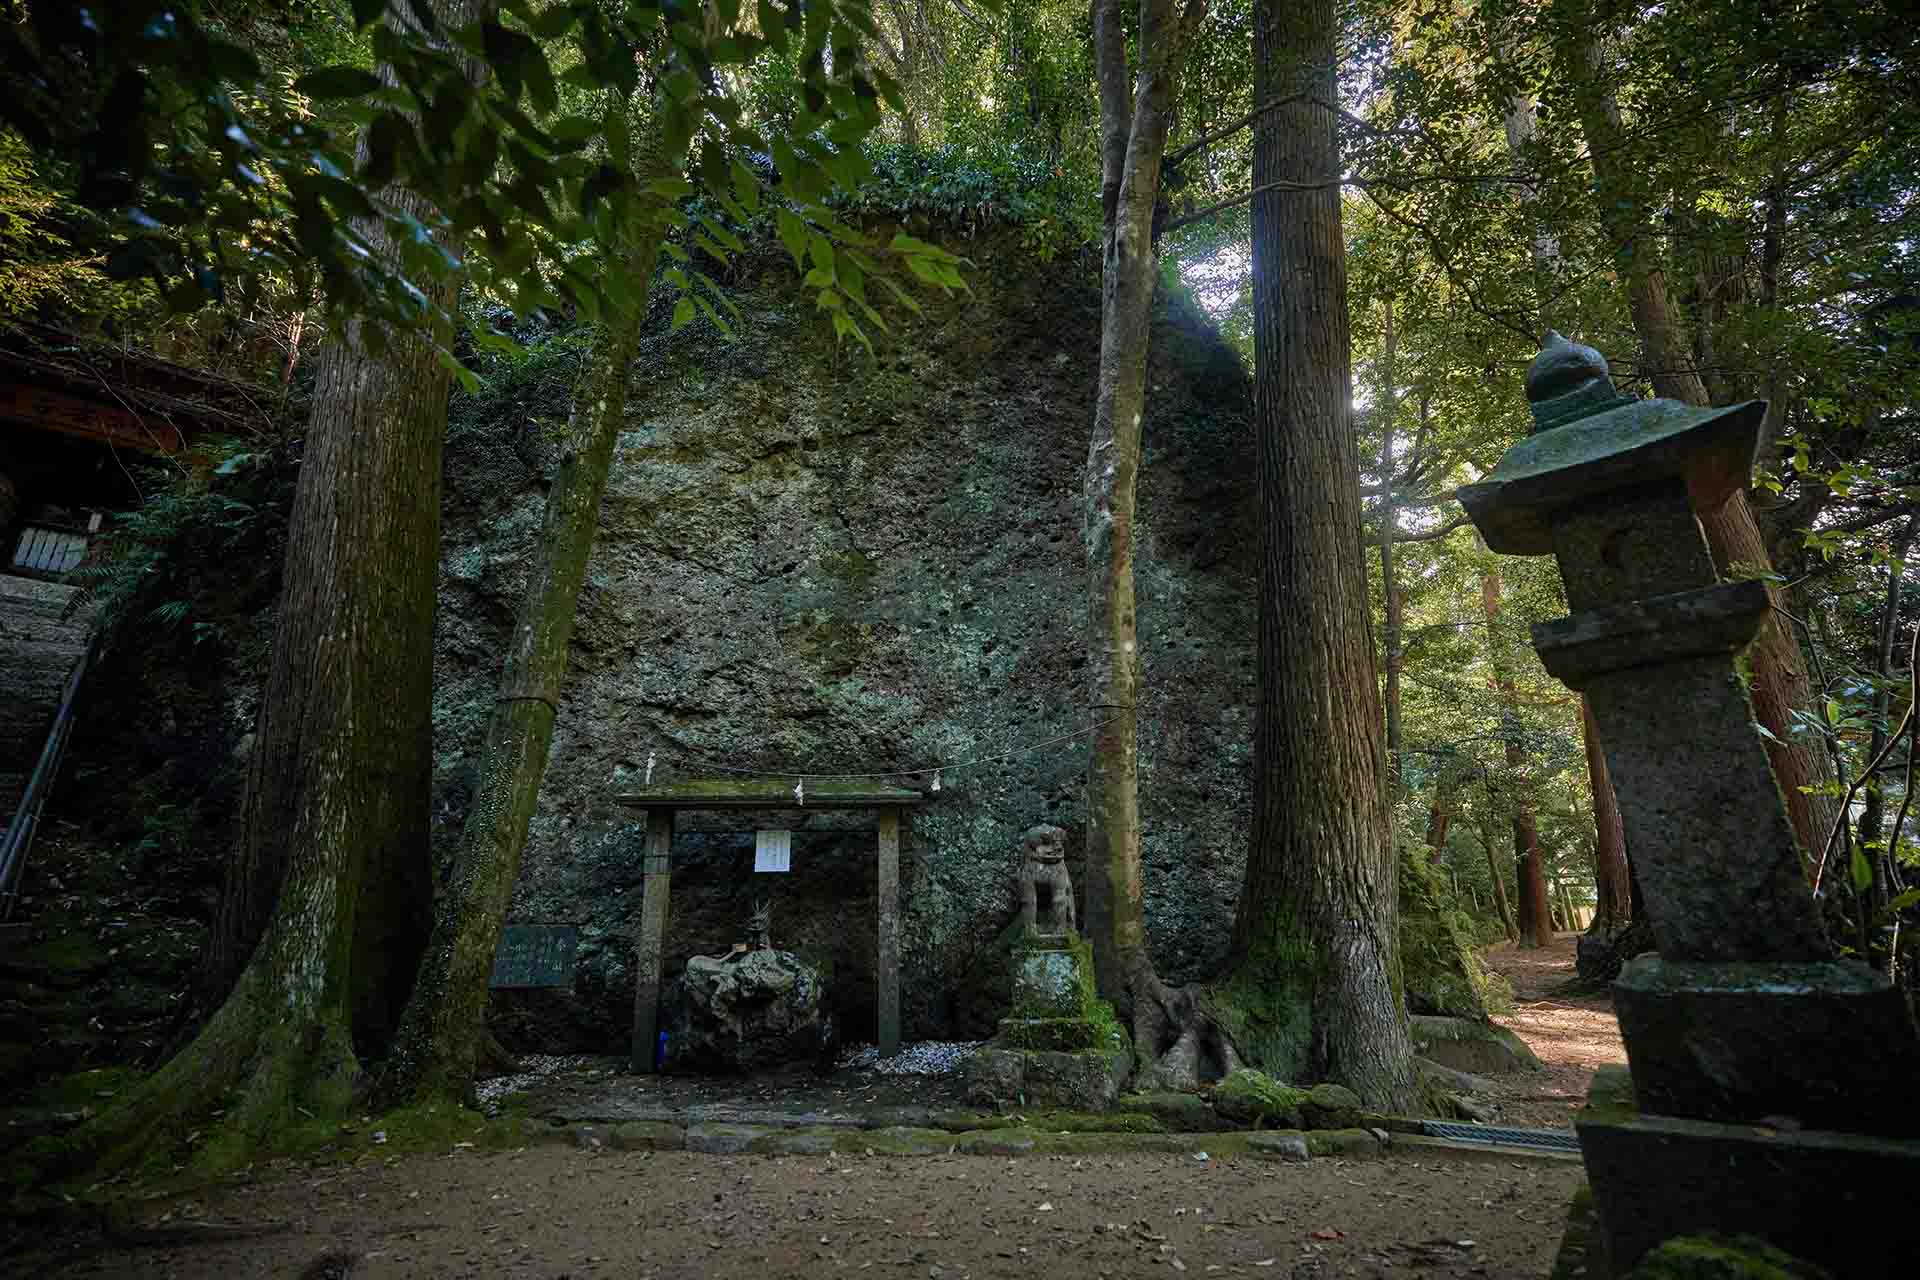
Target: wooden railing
<point>19,837</point>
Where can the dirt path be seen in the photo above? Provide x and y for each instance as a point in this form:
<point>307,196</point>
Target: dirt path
<point>554,1212</point>
<point>1572,1035</point>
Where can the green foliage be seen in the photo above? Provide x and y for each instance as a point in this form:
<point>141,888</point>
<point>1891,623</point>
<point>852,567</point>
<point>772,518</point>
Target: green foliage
<point>231,512</point>
<point>965,190</point>
<point>153,104</point>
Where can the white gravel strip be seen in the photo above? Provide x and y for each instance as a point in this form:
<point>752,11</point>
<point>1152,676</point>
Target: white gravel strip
<point>926,1058</point>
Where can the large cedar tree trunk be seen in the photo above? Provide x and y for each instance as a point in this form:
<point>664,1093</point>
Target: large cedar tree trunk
<point>1780,684</point>
<point>1315,964</point>
<point>333,879</point>
<point>356,611</point>
<point>1612,884</point>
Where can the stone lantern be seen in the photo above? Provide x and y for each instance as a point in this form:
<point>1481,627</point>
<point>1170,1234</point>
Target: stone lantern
<point>1766,1073</point>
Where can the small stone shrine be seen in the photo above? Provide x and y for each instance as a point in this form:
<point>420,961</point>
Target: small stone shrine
<point>1773,1086</point>
<point>1059,1046</point>
<point>661,802</point>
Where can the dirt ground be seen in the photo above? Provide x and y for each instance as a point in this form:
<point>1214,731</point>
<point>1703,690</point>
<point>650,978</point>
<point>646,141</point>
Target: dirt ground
<point>1572,1034</point>
<point>557,1212</point>
<point>561,1212</point>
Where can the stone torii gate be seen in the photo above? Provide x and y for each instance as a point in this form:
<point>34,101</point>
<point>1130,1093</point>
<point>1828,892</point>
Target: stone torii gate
<point>660,803</point>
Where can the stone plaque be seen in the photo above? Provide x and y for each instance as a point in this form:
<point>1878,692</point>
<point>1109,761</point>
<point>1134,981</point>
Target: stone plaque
<point>535,955</point>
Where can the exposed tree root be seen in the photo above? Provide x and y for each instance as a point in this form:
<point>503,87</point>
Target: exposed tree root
<point>1178,1045</point>
<point>250,1078</point>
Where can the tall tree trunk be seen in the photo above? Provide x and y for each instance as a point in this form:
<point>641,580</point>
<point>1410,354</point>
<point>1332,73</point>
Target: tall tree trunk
<point>363,554</point>
<point>1133,143</point>
<point>441,1035</point>
<point>1439,818</point>
<point>1533,910</point>
<point>333,878</point>
<point>1315,950</point>
<point>1780,685</point>
<point>1389,586</point>
<point>1498,875</point>
<point>1613,895</point>
<point>1873,813</point>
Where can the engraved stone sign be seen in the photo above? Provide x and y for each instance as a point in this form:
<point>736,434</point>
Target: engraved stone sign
<point>535,955</point>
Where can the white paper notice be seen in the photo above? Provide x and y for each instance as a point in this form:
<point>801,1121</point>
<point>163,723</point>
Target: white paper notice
<point>772,850</point>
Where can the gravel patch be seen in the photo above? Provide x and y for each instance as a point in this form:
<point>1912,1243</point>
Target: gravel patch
<point>924,1058</point>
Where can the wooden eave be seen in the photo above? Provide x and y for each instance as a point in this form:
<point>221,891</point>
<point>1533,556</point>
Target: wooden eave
<point>51,381</point>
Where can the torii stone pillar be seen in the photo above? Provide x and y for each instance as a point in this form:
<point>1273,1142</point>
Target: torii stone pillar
<point>1744,1018</point>
<point>660,803</point>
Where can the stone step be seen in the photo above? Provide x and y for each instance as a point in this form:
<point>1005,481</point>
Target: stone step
<point>30,597</point>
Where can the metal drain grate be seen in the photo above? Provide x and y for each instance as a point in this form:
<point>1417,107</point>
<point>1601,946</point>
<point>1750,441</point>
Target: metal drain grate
<point>1495,1136</point>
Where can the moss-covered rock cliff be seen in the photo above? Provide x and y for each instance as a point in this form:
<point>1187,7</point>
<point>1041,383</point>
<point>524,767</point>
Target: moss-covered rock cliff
<point>815,559</point>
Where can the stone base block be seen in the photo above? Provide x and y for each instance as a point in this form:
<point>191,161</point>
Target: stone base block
<point>1830,1045</point>
<point>1048,982</point>
<point>1086,1081</point>
<point>1842,1200</point>
<point>1062,1035</point>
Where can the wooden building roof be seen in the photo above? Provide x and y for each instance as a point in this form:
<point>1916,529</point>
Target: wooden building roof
<point>55,381</point>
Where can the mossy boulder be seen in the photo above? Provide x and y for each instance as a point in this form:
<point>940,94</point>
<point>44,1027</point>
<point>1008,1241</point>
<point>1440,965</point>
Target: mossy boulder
<point>1715,1258</point>
<point>1258,1101</point>
<point>1439,964</point>
<point>1178,1112</point>
<point>899,1141</point>
<point>1467,1044</point>
<point>1332,1106</point>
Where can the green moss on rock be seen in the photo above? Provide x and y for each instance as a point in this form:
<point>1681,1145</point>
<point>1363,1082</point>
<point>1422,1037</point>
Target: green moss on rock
<point>1256,1099</point>
<point>1179,1112</point>
<point>1063,1035</point>
<point>1717,1258</point>
<point>1440,967</point>
<point>1332,1106</point>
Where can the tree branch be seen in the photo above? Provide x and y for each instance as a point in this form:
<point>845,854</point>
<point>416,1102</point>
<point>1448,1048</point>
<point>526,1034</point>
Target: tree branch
<point>1430,535</point>
<point>1174,224</point>
<point>1227,130</point>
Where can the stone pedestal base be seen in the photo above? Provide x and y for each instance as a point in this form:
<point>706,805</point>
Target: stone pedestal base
<point>1061,1047</point>
<point>1830,1045</point>
<point>1842,1200</point>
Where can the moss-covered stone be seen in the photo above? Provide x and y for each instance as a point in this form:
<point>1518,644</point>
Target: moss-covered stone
<point>1017,1141</point>
<point>1466,1044</point>
<point>1048,982</point>
<point>1062,1035</point>
<point>1343,1142</point>
<point>1440,967</point>
<point>1279,1144</point>
<point>648,1135</point>
<point>1095,1144</point>
<point>1331,1106</point>
<point>900,1141</point>
<point>1179,1112</point>
<point>1715,1258</point>
<point>1048,1121</point>
<point>724,1139</point>
<point>1258,1100</point>
<point>813,1140</point>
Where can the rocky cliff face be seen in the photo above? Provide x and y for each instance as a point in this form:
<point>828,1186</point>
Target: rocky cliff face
<point>815,560</point>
